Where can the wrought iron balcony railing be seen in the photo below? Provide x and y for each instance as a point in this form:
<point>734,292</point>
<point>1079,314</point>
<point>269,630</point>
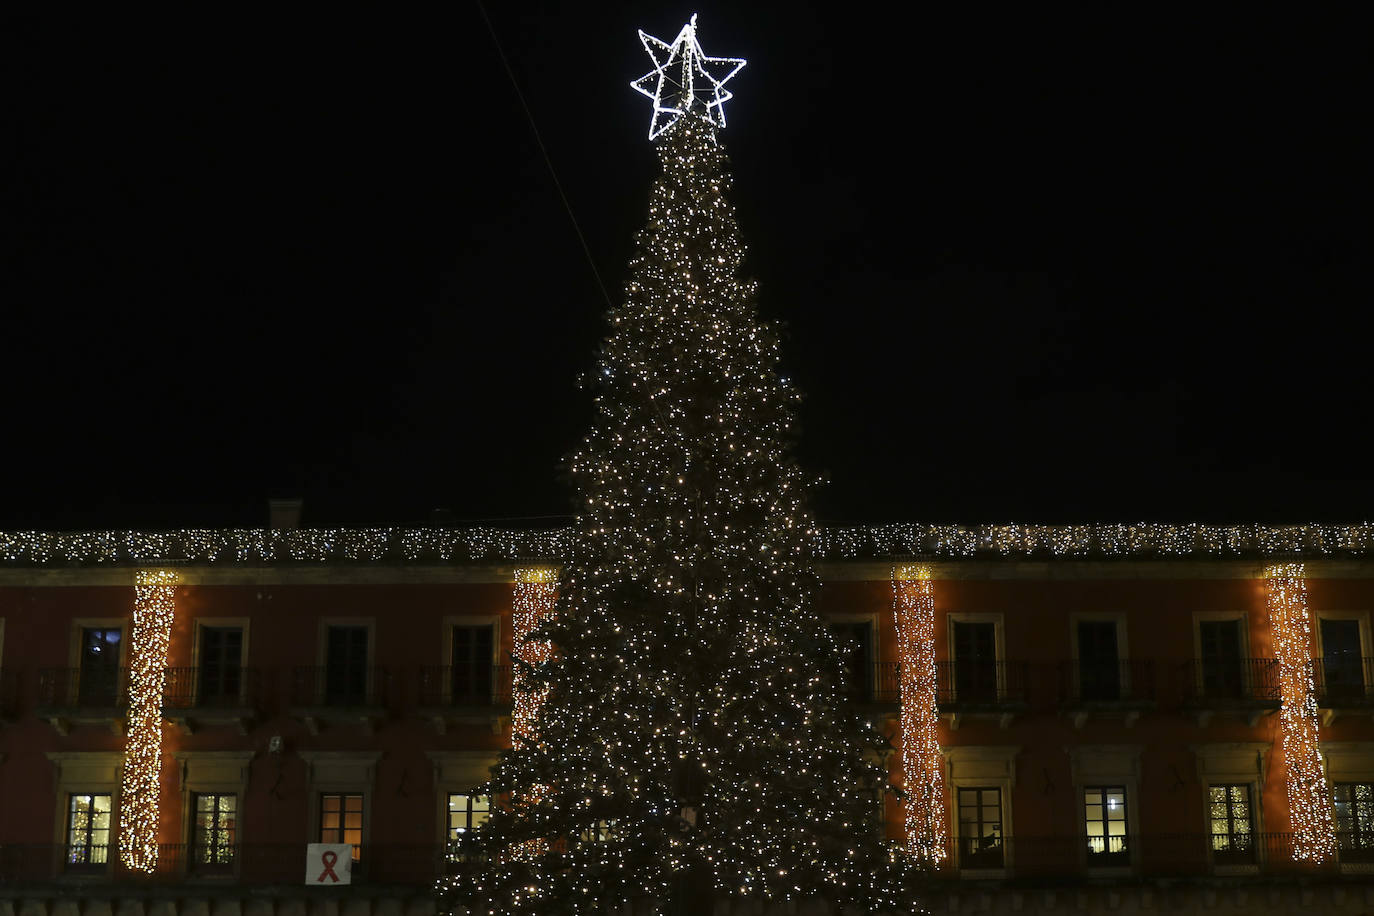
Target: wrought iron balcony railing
<point>1231,680</point>
<point>465,685</point>
<point>340,685</point>
<point>83,689</point>
<point>1123,681</point>
<point>210,688</point>
<point>973,683</point>
<point>1344,681</point>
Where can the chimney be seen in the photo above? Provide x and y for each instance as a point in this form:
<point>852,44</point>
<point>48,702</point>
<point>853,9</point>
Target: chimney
<point>284,513</point>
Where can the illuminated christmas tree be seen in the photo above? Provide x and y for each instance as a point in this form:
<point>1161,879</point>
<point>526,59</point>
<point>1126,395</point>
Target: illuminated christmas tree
<point>690,742</point>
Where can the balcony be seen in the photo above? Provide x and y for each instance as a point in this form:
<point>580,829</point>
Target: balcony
<point>981,689</point>
<point>875,687</point>
<point>195,698</point>
<point>71,696</point>
<point>1345,686</point>
<point>470,694</point>
<point>1118,689</point>
<point>340,695</point>
<point>1246,687</point>
<point>258,865</point>
<point>1149,856</point>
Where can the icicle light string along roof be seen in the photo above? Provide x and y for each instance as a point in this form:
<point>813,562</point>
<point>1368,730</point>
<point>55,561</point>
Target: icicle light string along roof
<point>405,545</point>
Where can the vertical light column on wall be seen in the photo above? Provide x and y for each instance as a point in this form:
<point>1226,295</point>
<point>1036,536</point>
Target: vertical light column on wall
<point>1309,803</point>
<point>535,588</point>
<point>534,594</point>
<point>154,610</point>
<point>913,596</point>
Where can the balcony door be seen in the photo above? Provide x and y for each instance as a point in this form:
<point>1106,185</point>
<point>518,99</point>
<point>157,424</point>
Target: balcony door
<point>345,666</point>
<point>1342,658</point>
<point>856,653</point>
<point>1099,660</point>
<point>1219,644</point>
<point>975,661</point>
<point>99,676</point>
<point>472,670</point>
<point>221,665</point>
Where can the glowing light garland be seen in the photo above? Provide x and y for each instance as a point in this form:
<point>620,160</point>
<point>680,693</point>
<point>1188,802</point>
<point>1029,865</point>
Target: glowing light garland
<point>913,598</point>
<point>258,546</point>
<point>154,610</point>
<point>680,80</point>
<point>534,596</point>
<point>1309,803</point>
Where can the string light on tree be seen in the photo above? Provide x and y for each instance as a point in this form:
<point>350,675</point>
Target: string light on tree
<point>154,612</point>
<point>1309,802</point>
<point>692,742</point>
<point>684,78</point>
<point>913,596</point>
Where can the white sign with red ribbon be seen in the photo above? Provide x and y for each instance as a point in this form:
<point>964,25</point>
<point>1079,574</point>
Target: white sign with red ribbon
<point>328,864</point>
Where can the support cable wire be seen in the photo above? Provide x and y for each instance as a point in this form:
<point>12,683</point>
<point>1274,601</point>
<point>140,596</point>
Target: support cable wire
<point>534,129</point>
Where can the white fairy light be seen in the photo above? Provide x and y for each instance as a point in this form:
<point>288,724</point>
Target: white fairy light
<point>680,79</point>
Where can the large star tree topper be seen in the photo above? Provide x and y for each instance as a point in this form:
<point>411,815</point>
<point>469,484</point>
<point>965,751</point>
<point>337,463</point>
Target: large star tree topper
<point>684,78</point>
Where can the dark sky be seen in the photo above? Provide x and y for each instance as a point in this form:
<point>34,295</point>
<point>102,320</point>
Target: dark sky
<point>1091,267</point>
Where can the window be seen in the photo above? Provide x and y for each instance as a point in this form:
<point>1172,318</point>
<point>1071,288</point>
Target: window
<point>1222,669</point>
<point>345,666</point>
<point>1104,813</point>
<point>599,832</point>
<point>341,821</point>
<point>1232,825</point>
<point>1099,661</point>
<point>1342,658</point>
<point>980,827</point>
<point>472,670</point>
<point>466,813</point>
<point>88,830</point>
<point>99,675</point>
<point>1354,804</point>
<point>214,831</point>
<point>221,671</point>
<point>855,640</point>
<point>975,661</point>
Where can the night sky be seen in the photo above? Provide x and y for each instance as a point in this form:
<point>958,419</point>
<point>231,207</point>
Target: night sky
<point>1039,267</point>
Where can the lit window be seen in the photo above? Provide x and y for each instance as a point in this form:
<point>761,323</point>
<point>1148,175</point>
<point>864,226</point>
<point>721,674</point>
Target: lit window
<point>215,830</point>
<point>1354,804</point>
<point>341,821</point>
<point>980,828</point>
<point>1232,825</point>
<point>466,813</point>
<point>88,830</point>
<point>1104,813</point>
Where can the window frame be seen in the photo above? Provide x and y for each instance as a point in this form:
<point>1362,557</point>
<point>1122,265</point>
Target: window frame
<point>447,626</point>
<point>1123,649</point>
<point>111,846</point>
<point>1366,834</point>
<point>340,773</point>
<point>1233,763</point>
<point>75,653</point>
<point>976,766</point>
<point>997,619</point>
<point>1099,765</point>
<point>198,645</point>
<point>875,641</point>
<point>322,654</point>
<point>1366,643</point>
<point>193,844</point>
<point>86,773</point>
<point>343,795</point>
<point>979,805</point>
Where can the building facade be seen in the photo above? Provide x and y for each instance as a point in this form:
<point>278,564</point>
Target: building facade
<point>1152,718</point>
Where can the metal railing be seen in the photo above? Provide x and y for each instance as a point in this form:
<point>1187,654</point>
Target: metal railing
<point>244,864</point>
<point>876,682</point>
<point>1231,680</point>
<point>340,685</point>
<point>462,685</point>
<point>1124,681</point>
<point>968,683</point>
<point>75,688</point>
<point>1343,681</point>
<point>1148,855</point>
<point>201,688</point>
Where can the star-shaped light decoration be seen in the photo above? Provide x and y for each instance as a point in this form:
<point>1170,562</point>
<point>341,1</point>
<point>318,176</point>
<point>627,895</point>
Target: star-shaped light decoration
<point>682,79</point>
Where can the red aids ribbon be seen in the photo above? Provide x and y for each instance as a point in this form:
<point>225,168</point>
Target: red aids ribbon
<point>328,857</point>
